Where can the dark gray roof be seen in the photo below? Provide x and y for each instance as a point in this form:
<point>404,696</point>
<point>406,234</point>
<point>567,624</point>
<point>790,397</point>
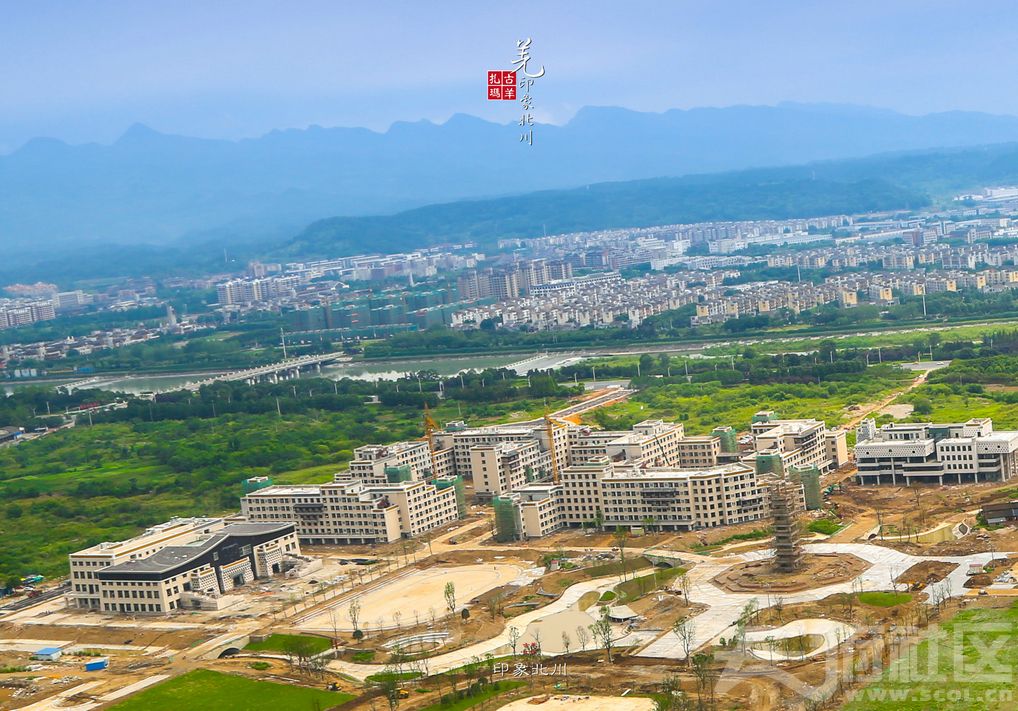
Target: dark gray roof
<point>173,557</point>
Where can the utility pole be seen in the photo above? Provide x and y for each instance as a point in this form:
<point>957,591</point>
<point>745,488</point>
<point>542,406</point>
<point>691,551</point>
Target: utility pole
<point>282,340</point>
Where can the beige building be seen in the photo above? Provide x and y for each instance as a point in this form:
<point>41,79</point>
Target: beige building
<point>803,444</point>
<point>379,464</point>
<point>461,439</point>
<point>86,564</point>
<point>651,443</point>
<point>603,493</point>
<point>350,511</point>
<point>500,468</point>
<point>193,572</point>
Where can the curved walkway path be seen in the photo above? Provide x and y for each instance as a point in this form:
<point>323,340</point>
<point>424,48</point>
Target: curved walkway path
<point>459,657</point>
<point>723,608</point>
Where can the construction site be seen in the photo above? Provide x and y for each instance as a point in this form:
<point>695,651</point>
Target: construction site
<point>788,608</point>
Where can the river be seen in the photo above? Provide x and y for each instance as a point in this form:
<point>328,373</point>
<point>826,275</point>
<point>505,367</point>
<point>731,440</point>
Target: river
<point>360,370</point>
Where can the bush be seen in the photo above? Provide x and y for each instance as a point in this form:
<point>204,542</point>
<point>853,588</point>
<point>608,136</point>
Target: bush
<point>358,634</point>
<point>259,666</point>
<point>825,526</point>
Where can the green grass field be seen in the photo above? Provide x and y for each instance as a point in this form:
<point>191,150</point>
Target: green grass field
<point>81,486</point>
<point>884,599</point>
<point>203,689</point>
<point>968,662</point>
<point>703,406</point>
<point>281,642</point>
<point>873,340</point>
<point>488,692</point>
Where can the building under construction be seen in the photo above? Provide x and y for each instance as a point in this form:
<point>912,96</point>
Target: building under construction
<point>784,503</point>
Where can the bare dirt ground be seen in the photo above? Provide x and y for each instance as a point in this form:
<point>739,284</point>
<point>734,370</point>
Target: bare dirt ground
<point>420,595</point>
<point>818,570</point>
<point>925,573</point>
<point>580,703</point>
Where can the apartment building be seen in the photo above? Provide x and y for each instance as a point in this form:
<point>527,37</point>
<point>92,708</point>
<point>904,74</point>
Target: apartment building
<point>353,512</point>
<point>379,464</point>
<point>462,439</point>
<point>505,466</point>
<point>609,494</point>
<point>925,453</point>
<point>86,564</point>
<point>682,500</point>
<point>800,444</point>
<point>204,561</point>
<point>651,443</point>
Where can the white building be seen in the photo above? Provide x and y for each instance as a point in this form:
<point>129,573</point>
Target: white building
<point>189,564</point>
<point>925,453</point>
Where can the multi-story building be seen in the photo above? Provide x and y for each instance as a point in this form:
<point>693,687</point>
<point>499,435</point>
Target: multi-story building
<point>499,468</point>
<point>380,463</point>
<point>86,564</point>
<point>184,564</point>
<point>354,512</point>
<point>925,453</point>
<point>607,494</point>
<point>462,439</point>
<point>799,444</point>
<point>651,443</point>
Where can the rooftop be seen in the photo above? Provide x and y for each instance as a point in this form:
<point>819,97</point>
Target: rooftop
<point>174,556</point>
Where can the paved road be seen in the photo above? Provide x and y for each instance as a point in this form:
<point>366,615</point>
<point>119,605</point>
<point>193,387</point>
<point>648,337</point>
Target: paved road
<point>724,609</point>
<point>459,657</point>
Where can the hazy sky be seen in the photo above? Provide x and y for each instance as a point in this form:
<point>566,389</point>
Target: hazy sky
<point>84,71</point>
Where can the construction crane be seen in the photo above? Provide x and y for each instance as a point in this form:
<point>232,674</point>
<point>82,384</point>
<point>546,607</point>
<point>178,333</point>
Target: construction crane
<point>550,426</point>
<point>430,427</point>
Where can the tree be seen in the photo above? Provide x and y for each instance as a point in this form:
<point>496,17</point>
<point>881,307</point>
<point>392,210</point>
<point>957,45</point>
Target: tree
<point>621,536</point>
<point>583,637</point>
<point>706,679</point>
<point>567,641</point>
<point>685,630</point>
<point>684,585</point>
<point>354,613</point>
<point>300,652</point>
<point>514,638</point>
<point>602,631</point>
<point>450,596</point>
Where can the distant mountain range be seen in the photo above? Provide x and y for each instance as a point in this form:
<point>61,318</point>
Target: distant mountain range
<point>157,189</point>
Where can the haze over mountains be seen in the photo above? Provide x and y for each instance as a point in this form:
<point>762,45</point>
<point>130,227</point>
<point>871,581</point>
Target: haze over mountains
<point>160,190</point>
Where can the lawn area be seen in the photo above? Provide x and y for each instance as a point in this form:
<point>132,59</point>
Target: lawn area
<point>282,642</point>
<point>884,599</point>
<point>949,405</point>
<point>635,588</point>
<point>203,689</point>
<point>826,526</point>
<point>488,692</point>
<point>600,571</point>
<point>966,663</point>
<point>703,406</point>
<point>108,482</point>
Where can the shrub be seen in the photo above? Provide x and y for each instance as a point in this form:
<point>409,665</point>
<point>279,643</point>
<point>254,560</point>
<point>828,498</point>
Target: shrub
<point>825,526</point>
